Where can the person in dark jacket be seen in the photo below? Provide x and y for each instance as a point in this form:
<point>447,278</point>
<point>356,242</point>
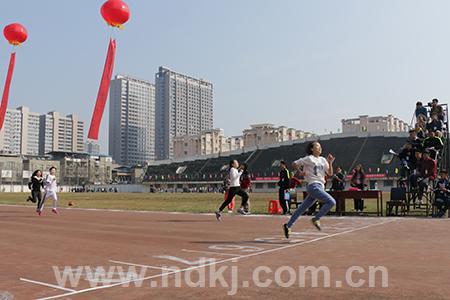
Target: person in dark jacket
<point>358,181</point>
<point>435,124</point>
<point>35,186</point>
<point>338,180</point>
<point>284,185</point>
<point>442,200</point>
<point>246,184</point>
<point>433,143</point>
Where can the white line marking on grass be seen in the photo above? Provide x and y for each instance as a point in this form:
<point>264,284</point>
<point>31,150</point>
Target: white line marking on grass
<point>210,252</point>
<point>220,261</point>
<point>47,285</point>
<point>139,265</point>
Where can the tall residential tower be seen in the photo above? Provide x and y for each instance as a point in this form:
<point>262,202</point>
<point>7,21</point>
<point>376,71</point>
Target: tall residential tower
<point>184,106</point>
<point>131,120</point>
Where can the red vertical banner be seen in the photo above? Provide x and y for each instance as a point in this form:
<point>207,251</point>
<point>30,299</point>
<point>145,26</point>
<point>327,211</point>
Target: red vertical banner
<point>103,91</point>
<point>5,96</point>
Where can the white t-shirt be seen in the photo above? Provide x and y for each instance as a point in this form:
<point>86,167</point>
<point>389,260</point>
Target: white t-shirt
<point>314,167</point>
<point>234,177</point>
<point>50,183</point>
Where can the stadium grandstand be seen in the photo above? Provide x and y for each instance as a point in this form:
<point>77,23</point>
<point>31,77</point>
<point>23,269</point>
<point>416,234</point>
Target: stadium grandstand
<point>367,149</point>
<point>377,152</point>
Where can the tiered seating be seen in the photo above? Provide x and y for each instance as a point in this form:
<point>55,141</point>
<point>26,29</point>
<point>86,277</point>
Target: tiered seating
<point>260,162</point>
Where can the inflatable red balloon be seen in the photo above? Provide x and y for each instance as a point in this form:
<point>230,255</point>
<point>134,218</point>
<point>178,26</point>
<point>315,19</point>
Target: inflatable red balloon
<point>15,33</point>
<point>115,12</point>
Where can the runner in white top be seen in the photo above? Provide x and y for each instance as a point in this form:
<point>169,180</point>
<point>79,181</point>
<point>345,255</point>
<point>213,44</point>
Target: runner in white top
<point>50,189</point>
<point>234,188</point>
<point>316,168</point>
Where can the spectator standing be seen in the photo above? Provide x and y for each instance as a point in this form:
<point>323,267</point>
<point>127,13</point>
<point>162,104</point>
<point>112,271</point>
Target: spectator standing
<point>358,181</point>
<point>246,184</point>
<point>284,184</point>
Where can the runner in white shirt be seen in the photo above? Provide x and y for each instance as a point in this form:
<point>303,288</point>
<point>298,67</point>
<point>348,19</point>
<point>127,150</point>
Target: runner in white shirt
<point>234,188</point>
<point>50,189</point>
<point>316,168</point>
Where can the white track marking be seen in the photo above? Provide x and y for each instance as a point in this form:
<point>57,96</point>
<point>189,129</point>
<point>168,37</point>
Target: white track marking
<point>220,261</point>
<point>185,261</point>
<point>47,285</point>
<point>139,265</point>
<point>276,240</point>
<point>207,214</point>
<point>236,248</point>
<point>209,252</point>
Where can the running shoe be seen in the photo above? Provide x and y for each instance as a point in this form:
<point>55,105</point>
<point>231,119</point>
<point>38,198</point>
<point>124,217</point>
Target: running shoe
<point>286,230</point>
<point>55,211</point>
<point>218,215</point>
<point>316,223</point>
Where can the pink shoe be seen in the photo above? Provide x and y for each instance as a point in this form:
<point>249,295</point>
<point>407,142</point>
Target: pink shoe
<point>38,212</point>
<point>55,211</point>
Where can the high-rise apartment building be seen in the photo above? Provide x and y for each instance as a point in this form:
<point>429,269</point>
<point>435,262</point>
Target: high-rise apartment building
<point>20,132</point>
<point>59,133</point>
<point>184,106</point>
<point>131,120</point>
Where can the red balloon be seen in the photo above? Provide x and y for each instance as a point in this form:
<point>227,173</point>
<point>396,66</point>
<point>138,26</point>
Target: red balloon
<point>115,12</point>
<point>15,33</point>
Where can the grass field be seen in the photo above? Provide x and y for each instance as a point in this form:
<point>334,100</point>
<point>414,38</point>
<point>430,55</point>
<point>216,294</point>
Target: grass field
<point>180,202</point>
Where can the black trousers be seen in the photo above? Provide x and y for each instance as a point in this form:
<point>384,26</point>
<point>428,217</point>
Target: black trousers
<point>283,202</point>
<point>442,204</point>
<point>37,197</point>
<point>359,203</point>
<point>232,192</point>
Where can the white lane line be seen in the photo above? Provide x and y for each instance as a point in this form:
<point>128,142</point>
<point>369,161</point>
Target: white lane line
<point>47,285</point>
<point>210,252</point>
<point>216,262</point>
<point>206,214</point>
<point>139,265</point>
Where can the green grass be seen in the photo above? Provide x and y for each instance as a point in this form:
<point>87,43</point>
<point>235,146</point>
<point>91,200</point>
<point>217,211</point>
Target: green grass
<point>181,202</point>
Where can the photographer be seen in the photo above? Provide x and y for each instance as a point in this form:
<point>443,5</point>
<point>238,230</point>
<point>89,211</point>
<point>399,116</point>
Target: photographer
<point>436,109</point>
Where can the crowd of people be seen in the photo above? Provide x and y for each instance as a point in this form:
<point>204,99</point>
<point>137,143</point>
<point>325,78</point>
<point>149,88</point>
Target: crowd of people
<point>421,154</point>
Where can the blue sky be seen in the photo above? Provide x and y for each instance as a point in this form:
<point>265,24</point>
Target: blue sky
<point>304,64</point>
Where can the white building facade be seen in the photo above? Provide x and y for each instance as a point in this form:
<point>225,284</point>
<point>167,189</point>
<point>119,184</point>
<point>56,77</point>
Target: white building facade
<point>20,132</point>
<point>131,120</point>
<point>60,133</point>
<point>184,106</point>
<point>374,124</point>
